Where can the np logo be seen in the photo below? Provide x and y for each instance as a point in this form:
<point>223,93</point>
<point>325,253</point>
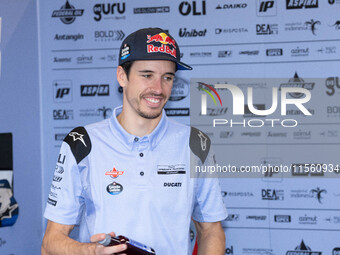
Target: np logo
<point>114,173</point>
<point>114,188</point>
<point>76,136</point>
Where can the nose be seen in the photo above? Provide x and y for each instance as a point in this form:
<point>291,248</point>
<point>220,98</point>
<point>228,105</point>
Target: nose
<point>157,85</point>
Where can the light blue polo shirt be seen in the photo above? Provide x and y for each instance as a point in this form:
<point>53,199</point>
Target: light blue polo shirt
<point>109,180</point>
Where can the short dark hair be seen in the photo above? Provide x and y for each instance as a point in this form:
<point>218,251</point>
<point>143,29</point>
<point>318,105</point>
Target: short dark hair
<point>127,67</point>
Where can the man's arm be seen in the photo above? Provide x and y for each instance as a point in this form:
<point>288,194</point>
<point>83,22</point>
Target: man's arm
<point>56,241</point>
<point>210,238</point>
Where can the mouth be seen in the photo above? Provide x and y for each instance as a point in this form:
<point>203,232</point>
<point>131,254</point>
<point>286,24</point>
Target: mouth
<point>153,101</point>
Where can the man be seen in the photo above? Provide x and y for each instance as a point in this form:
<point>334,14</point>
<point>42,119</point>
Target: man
<point>131,173</point>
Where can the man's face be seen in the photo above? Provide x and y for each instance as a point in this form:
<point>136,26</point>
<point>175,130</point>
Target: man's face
<point>148,87</point>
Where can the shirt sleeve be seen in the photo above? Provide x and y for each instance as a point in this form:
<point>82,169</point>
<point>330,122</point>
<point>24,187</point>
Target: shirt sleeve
<point>65,198</point>
<point>208,202</point>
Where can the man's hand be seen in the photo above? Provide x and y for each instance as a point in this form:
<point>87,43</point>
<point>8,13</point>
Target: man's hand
<point>57,242</point>
<point>102,250</point>
<point>210,238</point>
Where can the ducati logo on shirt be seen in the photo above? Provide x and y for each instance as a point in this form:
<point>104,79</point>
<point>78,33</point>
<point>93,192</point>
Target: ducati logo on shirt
<point>114,173</point>
<point>173,184</point>
<point>76,136</point>
<point>114,188</point>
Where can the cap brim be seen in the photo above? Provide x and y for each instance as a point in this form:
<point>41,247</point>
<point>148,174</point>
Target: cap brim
<point>182,66</point>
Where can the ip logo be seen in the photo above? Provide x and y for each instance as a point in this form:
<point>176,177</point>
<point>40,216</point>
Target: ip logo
<point>62,91</point>
<point>266,8</point>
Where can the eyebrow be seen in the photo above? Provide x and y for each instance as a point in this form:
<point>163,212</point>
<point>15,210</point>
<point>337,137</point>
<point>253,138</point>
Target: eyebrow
<point>150,71</point>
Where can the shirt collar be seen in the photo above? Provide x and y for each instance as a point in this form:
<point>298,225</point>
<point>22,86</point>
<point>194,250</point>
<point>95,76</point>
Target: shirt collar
<point>129,140</point>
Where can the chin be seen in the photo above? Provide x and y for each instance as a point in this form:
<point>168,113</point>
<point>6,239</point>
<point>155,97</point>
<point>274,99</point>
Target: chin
<point>150,115</point>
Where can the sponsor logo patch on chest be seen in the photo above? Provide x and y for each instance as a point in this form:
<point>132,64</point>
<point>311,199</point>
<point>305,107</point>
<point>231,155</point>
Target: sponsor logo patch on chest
<point>171,169</point>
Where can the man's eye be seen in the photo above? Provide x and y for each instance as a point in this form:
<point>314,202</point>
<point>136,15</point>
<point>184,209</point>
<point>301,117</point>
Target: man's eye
<point>146,75</point>
<point>168,78</point>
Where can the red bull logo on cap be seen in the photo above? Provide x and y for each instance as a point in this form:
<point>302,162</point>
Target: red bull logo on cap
<point>165,40</point>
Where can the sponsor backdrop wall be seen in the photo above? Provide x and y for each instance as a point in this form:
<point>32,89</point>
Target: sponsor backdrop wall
<point>262,44</point>
<point>20,155</point>
<point>273,44</point>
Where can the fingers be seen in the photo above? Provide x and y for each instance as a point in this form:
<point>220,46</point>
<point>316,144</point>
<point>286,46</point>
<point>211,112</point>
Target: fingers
<point>97,237</point>
<point>116,248</point>
<point>108,250</point>
<point>112,234</point>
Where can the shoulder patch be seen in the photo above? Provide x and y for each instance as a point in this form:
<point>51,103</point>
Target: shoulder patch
<point>199,143</point>
<point>79,141</point>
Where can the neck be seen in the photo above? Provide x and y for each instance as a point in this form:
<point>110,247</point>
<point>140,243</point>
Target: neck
<point>137,126</point>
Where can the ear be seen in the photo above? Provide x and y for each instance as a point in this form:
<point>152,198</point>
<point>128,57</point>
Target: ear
<point>121,76</point>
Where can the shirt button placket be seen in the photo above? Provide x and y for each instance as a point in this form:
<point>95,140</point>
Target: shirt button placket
<point>141,154</point>
<point>142,147</point>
